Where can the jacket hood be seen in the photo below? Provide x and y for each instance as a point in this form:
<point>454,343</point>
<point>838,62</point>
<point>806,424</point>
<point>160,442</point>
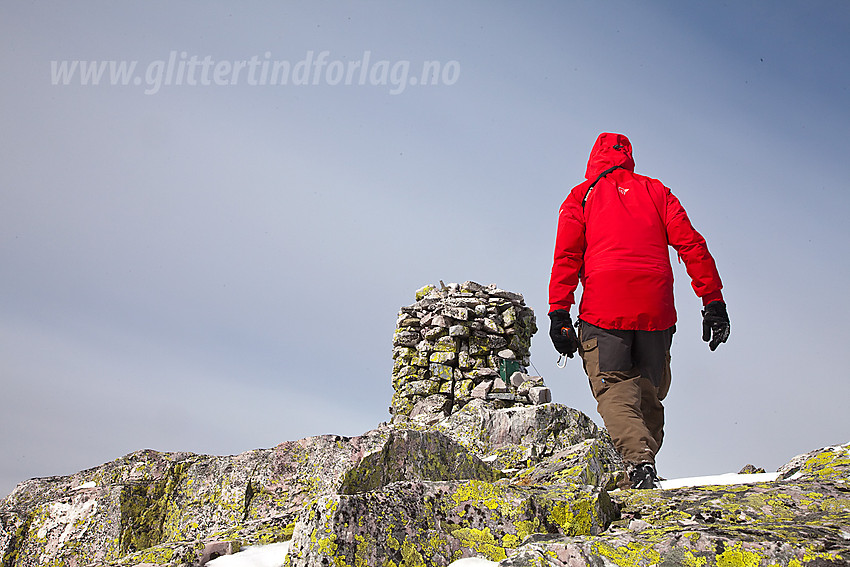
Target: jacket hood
<point>608,151</point>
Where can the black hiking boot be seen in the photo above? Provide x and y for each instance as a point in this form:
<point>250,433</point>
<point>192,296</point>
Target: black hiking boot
<point>643,476</point>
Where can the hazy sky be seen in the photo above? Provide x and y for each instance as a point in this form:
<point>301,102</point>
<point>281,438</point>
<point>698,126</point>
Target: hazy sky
<point>208,254</point>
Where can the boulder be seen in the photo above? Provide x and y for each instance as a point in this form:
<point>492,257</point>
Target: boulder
<point>415,455</point>
<point>414,523</point>
<point>791,523</point>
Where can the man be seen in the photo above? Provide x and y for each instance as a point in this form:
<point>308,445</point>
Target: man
<point>613,236</point>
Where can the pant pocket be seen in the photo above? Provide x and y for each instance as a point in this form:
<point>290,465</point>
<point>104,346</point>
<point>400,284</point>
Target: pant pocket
<point>589,351</point>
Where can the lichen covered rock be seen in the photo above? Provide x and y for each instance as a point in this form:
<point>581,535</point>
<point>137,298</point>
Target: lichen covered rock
<point>147,501</point>
<point>519,486</point>
<point>541,438</point>
<point>803,520</point>
<point>174,508</point>
<point>827,464</point>
<point>415,455</point>
<point>438,522</point>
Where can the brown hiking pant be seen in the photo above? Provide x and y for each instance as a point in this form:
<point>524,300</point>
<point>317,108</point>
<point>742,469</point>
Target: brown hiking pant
<point>629,374</point>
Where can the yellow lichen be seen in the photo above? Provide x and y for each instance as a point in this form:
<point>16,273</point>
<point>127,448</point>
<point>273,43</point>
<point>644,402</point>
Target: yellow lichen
<point>632,555</point>
<point>327,545</point>
<point>412,557</point>
<point>481,541</point>
<point>810,555</point>
<point>510,541</point>
<point>574,518</point>
<point>486,494</point>
<point>691,560</point>
<point>525,528</point>
<point>361,551</point>
<point>737,556</point>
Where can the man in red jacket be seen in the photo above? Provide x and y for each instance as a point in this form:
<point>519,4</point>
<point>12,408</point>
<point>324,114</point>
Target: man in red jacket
<point>613,236</point>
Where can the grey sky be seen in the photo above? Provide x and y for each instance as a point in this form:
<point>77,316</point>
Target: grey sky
<point>218,268</point>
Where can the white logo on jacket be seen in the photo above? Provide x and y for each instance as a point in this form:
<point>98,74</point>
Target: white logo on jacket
<point>623,190</point>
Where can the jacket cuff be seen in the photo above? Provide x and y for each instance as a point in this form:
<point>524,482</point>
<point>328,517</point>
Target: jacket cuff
<point>716,296</point>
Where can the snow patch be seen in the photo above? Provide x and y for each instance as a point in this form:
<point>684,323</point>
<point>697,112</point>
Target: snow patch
<point>472,562</point>
<point>272,555</point>
<point>720,479</point>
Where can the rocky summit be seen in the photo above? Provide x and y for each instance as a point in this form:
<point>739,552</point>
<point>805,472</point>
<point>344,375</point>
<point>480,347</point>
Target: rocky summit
<point>518,483</point>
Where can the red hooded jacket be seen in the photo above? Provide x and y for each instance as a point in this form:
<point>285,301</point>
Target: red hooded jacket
<point>616,242</point>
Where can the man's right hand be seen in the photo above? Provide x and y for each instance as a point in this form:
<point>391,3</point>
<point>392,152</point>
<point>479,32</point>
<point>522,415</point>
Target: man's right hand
<point>562,333</point>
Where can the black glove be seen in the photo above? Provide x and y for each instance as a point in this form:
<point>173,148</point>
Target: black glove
<point>715,324</point>
<point>562,333</point>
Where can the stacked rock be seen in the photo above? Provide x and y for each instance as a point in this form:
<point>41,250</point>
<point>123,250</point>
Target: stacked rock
<point>459,342</point>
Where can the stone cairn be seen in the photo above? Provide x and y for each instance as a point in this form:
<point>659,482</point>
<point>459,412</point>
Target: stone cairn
<point>459,342</point>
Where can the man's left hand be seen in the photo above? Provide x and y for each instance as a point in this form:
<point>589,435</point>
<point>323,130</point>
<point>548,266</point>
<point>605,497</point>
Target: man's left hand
<point>715,324</point>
